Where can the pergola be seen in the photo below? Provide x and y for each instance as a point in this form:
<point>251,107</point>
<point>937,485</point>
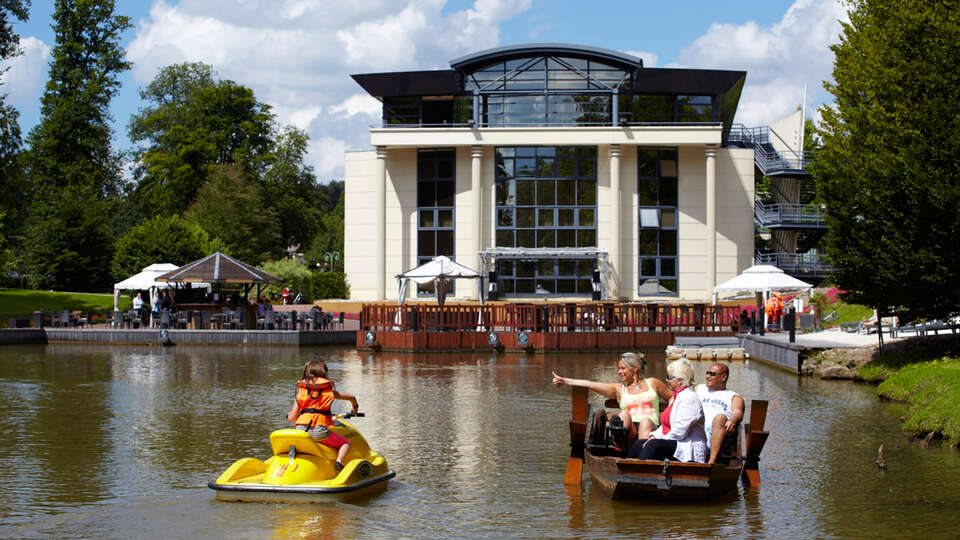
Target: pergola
<point>218,268</point>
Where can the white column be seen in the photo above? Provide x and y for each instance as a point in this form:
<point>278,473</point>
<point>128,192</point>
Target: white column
<point>476,159</point>
<point>381,225</point>
<point>711,218</point>
<point>614,282</point>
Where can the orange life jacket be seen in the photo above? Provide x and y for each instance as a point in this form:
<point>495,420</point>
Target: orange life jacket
<point>314,398</point>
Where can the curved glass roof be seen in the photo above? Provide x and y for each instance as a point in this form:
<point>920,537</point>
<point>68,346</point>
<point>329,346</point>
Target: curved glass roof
<point>501,54</point>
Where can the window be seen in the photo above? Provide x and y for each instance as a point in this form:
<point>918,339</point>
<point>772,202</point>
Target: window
<point>546,197</point>
<point>657,201</point>
<point>436,186</point>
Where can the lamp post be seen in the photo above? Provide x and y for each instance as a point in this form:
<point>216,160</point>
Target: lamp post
<point>330,259</point>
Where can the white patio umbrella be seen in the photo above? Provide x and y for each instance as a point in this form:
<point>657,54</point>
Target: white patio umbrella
<point>144,281</point>
<point>761,279</point>
<point>437,270</point>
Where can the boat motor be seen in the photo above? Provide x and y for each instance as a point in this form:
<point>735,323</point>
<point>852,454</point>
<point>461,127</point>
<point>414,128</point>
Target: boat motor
<point>617,436</point>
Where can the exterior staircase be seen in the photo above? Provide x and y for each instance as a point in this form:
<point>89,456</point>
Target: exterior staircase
<point>791,225</point>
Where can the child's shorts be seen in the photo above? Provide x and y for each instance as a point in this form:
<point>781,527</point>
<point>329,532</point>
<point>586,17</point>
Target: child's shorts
<point>324,436</point>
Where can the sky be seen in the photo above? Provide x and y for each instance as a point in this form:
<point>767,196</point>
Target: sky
<point>298,55</point>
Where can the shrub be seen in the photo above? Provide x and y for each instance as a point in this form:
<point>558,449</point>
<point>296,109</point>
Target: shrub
<point>292,274</point>
<point>330,285</point>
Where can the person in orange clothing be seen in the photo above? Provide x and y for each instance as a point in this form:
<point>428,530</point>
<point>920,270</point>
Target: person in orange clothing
<point>774,309</point>
<point>311,408</point>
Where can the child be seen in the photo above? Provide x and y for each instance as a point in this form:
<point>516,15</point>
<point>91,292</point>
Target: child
<point>311,409</point>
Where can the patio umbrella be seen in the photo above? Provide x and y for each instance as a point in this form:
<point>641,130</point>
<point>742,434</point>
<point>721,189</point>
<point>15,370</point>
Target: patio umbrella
<point>761,279</point>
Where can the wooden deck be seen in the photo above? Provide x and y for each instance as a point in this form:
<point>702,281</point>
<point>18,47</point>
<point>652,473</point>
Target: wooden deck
<point>540,327</point>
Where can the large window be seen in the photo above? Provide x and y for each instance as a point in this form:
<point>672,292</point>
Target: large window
<point>547,91</point>
<point>657,201</point>
<point>436,185</point>
<point>546,197</point>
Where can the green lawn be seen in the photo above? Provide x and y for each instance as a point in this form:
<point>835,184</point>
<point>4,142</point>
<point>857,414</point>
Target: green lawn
<point>849,312</point>
<point>22,302</point>
<point>924,374</point>
<point>932,390</point>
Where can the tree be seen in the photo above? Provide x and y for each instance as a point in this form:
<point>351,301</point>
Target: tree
<point>291,188</point>
<point>329,235</point>
<point>72,172</point>
<point>889,167</point>
<point>230,206</point>
<point>292,274</point>
<point>11,181</point>
<point>193,123</point>
<point>161,239</point>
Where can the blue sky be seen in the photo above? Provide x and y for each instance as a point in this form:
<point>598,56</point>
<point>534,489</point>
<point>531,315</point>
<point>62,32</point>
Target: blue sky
<point>297,55</point>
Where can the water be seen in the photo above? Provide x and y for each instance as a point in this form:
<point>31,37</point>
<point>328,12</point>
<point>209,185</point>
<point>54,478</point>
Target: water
<point>121,442</point>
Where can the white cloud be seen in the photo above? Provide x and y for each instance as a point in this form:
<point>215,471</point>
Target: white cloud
<point>357,104</point>
<point>24,83</point>
<point>649,58</point>
<point>297,55</point>
<point>778,59</point>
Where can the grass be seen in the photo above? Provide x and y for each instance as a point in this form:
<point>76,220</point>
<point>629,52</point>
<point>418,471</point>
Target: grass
<point>924,373</point>
<point>932,391</point>
<point>23,302</point>
<point>849,312</point>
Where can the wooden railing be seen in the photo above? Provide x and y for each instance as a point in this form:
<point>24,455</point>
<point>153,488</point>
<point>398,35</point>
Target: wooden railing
<point>548,317</point>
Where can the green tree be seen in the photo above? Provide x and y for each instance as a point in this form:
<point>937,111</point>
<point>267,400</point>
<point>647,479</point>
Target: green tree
<point>72,171</point>
<point>329,235</point>
<point>292,274</point>
<point>889,167</point>
<point>230,207</point>
<point>192,123</point>
<point>291,188</point>
<point>161,240</point>
<point>11,179</point>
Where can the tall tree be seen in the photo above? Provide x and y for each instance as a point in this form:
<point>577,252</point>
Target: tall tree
<point>192,123</point>
<point>230,207</point>
<point>291,189</point>
<point>72,170</point>
<point>11,186</point>
<point>889,167</point>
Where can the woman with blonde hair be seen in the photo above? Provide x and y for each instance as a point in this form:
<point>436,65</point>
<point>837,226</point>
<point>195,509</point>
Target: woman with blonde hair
<point>681,434</point>
<point>638,396</point>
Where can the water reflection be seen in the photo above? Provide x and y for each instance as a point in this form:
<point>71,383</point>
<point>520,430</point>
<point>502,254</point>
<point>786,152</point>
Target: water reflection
<point>105,441</point>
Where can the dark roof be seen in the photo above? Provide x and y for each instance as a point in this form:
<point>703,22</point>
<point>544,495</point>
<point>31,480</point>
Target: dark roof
<point>218,268</point>
<point>410,83</point>
<point>501,54</point>
<point>685,81</point>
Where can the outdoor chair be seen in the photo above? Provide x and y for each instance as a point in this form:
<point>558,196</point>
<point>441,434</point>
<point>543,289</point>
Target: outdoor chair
<point>117,321</point>
<point>290,321</point>
<point>164,319</point>
<point>851,327</point>
<point>55,318</point>
<point>268,321</point>
<point>182,319</point>
<point>201,320</point>
<point>233,319</point>
<point>132,319</point>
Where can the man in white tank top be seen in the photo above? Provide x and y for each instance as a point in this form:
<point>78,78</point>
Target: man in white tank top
<point>722,408</point>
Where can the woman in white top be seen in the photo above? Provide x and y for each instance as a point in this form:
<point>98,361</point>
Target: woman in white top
<point>681,434</point>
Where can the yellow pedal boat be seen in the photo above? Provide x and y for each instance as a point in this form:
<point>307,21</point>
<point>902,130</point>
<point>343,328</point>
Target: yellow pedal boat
<point>302,471</point>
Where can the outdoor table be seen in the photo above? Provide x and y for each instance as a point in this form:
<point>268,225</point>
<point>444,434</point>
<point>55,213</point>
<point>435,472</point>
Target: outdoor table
<point>218,319</point>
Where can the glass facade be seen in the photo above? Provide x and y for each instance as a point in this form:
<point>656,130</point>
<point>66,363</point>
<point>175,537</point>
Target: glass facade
<point>436,186</point>
<point>546,197</point>
<point>657,203</point>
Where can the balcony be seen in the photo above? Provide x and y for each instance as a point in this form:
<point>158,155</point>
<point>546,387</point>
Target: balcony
<point>789,216</point>
<point>800,265</point>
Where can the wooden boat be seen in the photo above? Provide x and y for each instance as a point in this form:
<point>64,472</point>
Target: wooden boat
<point>621,477</point>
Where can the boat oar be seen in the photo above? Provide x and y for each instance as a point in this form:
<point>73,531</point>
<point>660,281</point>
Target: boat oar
<point>578,431</point>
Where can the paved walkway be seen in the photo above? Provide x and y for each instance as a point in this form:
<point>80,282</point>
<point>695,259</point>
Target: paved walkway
<point>833,339</point>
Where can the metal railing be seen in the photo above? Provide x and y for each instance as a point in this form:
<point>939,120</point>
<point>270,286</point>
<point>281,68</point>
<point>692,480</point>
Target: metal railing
<point>548,317</point>
<point>766,157</point>
<point>807,264</point>
<point>789,215</point>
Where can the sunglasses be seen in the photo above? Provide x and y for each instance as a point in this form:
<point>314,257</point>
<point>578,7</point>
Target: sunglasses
<point>670,377</point>
<point>713,373</point>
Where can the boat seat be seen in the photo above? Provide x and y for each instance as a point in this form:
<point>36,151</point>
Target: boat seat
<point>282,439</point>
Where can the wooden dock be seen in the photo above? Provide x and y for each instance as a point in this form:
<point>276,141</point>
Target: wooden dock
<point>540,327</point>
<point>155,336</point>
